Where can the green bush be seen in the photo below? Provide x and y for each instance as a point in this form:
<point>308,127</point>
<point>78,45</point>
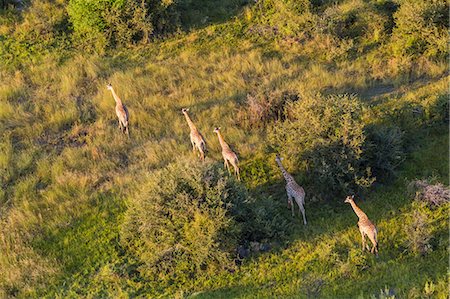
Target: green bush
<point>187,221</point>
<point>324,136</point>
<point>43,28</point>
<point>438,110</point>
<point>355,21</point>
<point>418,233</point>
<point>105,23</point>
<point>421,27</point>
<point>384,150</point>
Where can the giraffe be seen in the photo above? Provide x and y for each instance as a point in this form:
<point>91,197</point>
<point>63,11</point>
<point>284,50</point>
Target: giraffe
<point>121,111</point>
<point>366,227</point>
<point>197,139</point>
<point>228,155</point>
<point>293,190</point>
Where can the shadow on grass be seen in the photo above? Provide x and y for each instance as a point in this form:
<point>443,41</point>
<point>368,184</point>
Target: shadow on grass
<point>332,219</point>
<point>199,14</point>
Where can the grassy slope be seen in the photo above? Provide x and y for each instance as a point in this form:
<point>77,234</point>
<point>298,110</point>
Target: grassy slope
<point>68,172</point>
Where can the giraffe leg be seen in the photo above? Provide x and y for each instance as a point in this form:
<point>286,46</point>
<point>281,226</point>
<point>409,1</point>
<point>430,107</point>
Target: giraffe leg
<point>120,125</point>
<point>236,170</point>
<point>227,166</point>
<point>302,210</point>
<point>127,131</point>
<point>374,249</point>
<point>202,154</point>
<point>291,203</point>
<point>363,240</point>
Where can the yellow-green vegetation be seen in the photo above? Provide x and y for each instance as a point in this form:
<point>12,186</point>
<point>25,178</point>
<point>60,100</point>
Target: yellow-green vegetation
<point>352,93</point>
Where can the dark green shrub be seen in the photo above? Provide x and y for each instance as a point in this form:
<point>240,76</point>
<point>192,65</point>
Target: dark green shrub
<point>421,27</point>
<point>438,110</point>
<point>324,137</point>
<point>187,220</point>
<point>384,150</point>
<point>6,3</point>
<point>105,23</point>
<point>361,20</point>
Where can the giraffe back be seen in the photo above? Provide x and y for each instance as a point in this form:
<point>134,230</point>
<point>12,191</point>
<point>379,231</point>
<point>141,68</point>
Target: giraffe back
<point>366,225</point>
<point>295,190</point>
<point>228,153</point>
<point>196,137</point>
<point>122,113</point>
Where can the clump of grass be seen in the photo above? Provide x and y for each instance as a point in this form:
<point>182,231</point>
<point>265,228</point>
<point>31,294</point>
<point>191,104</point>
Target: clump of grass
<point>261,108</point>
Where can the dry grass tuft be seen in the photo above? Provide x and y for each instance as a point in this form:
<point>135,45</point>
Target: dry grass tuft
<point>261,108</point>
<point>434,195</point>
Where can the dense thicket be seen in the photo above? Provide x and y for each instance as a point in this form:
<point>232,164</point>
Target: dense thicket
<point>110,23</point>
<point>421,28</point>
<point>187,220</point>
<point>325,135</point>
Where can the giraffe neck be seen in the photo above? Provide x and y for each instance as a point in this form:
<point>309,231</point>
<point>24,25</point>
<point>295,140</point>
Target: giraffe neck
<point>286,174</point>
<point>116,97</point>
<point>222,142</point>
<point>189,121</point>
<point>357,210</point>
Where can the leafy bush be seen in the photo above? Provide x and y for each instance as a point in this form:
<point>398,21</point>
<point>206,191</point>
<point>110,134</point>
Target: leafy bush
<point>421,28</point>
<point>418,233</point>
<point>44,27</point>
<point>187,220</point>
<point>384,150</point>
<point>438,110</point>
<point>325,137</point>
<point>354,21</point>
<point>105,23</point>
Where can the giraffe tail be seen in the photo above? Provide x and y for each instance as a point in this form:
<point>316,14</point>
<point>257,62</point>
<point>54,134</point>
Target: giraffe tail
<point>203,146</point>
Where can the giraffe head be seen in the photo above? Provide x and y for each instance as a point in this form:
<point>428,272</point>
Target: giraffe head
<point>216,129</point>
<point>185,110</point>
<point>109,86</point>
<point>349,199</point>
<point>278,158</point>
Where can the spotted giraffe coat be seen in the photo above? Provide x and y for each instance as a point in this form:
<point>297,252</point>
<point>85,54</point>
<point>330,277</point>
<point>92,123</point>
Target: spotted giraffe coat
<point>366,227</point>
<point>294,191</point>
<point>197,140</point>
